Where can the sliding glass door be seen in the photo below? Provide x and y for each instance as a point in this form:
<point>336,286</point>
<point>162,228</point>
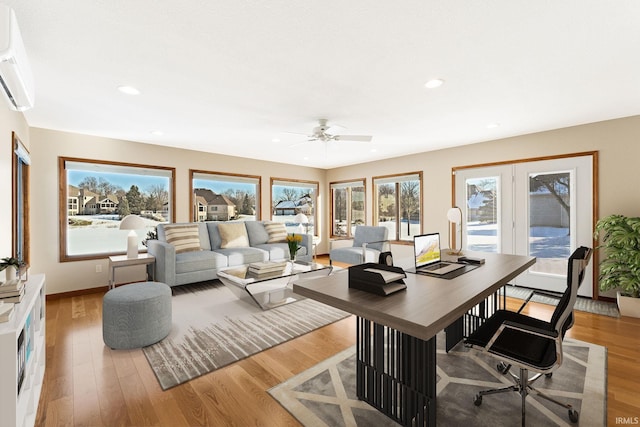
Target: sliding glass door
<point>540,208</point>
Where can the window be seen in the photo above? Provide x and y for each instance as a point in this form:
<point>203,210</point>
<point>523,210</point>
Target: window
<point>98,194</point>
<point>347,207</point>
<point>541,207</point>
<point>219,196</point>
<point>398,199</point>
<point>20,206</point>
<point>290,198</point>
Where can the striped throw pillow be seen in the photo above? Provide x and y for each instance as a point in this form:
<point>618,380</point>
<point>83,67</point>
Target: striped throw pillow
<point>277,232</point>
<point>185,238</point>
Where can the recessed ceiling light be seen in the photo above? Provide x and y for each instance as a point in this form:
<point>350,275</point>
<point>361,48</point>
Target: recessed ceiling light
<point>275,140</point>
<point>493,125</point>
<point>157,133</point>
<point>374,150</point>
<point>434,83</point>
<point>305,158</point>
<point>129,90</point>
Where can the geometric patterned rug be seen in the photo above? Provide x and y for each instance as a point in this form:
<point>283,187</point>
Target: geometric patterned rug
<point>324,395</point>
<point>212,328</point>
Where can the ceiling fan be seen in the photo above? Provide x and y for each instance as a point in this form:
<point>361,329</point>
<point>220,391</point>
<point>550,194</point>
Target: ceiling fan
<point>326,133</point>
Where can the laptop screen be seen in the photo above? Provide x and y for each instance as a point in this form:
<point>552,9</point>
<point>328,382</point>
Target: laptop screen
<point>427,249</point>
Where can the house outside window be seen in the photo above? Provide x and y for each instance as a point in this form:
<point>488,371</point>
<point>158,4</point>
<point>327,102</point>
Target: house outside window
<point>397,201</point>
<point>292,197</point>
<point>101,194</point>
<point>217,196</point>
<point>347,207</point>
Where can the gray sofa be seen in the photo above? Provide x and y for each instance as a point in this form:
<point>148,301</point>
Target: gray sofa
<point>196,266</point>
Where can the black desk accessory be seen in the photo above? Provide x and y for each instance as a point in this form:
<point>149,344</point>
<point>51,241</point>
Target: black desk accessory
<point>470,260</point>
<point>379,279</point>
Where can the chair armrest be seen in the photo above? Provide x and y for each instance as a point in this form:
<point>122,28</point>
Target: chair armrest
<point>332,241</point>
<point>307,242</point>
<point>530,330</point>
<point>537,292</point>
<point>364,247</point>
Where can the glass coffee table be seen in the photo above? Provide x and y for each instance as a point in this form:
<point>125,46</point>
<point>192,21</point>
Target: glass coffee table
<point>270,290</point>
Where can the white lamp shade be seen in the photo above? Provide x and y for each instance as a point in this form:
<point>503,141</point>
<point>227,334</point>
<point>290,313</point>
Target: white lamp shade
<point>454,215</point>
<point>132,222</point>
<point>301,219</point>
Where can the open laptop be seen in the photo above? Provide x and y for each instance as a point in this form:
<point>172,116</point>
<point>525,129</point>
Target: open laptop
<point>427,255</point>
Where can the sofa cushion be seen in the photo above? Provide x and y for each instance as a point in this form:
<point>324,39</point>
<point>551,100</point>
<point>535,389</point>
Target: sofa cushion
<point>185,238</point>
<point>240,256</point>
<point>188,262</point>
<point>257,233</point>
<point>214,235</point>
<point>277,232</point>
<point>233,235</point>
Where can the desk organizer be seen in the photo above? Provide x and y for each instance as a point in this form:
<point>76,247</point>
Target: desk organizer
<point>373,282</point>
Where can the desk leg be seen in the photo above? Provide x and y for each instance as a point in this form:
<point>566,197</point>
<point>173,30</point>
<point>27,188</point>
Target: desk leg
<point>396,373</point>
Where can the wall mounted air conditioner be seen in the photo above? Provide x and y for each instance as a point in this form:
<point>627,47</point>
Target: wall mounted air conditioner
<point>16,80</point>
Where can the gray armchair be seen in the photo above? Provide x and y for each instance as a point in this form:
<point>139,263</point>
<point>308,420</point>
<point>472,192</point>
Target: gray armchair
<point>368,242</point>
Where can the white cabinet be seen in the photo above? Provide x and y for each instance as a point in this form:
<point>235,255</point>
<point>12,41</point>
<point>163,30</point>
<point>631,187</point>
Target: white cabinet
<point>22,356</point>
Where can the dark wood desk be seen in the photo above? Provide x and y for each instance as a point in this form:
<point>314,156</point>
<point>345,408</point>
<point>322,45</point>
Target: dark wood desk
<point>396,350</point>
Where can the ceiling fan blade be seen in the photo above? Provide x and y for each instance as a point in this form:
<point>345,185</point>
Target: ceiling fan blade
<point>335,129</point>
<point>358,138</point>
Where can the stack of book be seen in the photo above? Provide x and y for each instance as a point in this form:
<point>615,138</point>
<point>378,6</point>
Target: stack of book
<point>267,268</point>
<point>12,291</point>
<point>6,309</point>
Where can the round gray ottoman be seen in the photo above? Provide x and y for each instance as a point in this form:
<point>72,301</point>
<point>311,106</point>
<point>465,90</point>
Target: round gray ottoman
<point>136,315</point>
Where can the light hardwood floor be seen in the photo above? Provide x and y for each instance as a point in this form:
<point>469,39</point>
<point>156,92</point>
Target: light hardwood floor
<point>88,384</point>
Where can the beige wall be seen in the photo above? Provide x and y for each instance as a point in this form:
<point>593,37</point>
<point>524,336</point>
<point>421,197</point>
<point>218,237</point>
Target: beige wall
<point>48,145</point>
<point>10,121</point>
<point>616,141</point>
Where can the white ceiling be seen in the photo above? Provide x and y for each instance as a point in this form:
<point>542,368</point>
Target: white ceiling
<point>229,76</point>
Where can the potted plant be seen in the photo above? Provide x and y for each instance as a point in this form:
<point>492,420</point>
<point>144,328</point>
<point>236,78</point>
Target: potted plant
<point>12,265</point>
<point>620,268</point>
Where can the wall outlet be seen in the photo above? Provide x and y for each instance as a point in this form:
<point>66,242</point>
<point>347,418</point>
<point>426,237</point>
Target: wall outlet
<point>98,268</point>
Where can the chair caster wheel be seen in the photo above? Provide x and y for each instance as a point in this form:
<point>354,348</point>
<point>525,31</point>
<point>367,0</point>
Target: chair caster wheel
<point>573,415</point>
<point>477,400</point>
<point>549,375</point>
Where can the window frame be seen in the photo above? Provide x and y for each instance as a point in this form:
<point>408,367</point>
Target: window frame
<point>232,177</point>
<point>293,182</point>
<point>344,184</point>
<point>397,180</point>
<point>20,195</point>
<point>63,202</point>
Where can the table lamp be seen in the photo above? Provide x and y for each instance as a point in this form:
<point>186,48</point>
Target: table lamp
<point>303,220</point>
<point>133,223</point>
<point>454,215</point>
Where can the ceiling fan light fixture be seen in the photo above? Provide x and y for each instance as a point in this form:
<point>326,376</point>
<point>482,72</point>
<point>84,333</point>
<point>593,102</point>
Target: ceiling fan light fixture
<point>434,83</point>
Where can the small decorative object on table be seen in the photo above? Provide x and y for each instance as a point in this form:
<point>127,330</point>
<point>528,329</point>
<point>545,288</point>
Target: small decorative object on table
<point>293,240</point>
<point>12,265</point>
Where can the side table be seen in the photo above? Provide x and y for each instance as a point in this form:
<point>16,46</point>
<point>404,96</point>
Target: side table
<point>117,261</point>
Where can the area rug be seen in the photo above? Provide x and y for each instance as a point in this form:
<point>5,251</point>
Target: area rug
<point>324,395</point>
<point>582,304</point>
<point>212,328</point>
